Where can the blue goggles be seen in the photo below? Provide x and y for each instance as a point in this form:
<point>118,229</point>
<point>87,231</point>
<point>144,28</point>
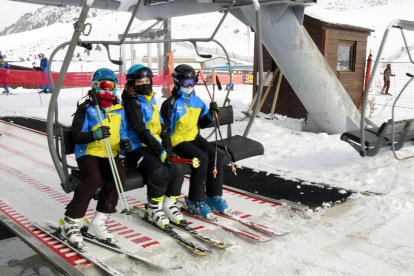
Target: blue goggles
<point>187,82</point>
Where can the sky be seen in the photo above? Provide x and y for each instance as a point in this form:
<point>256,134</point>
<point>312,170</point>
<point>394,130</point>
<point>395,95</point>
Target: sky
<point>11,11</point>
<point>370,234</point>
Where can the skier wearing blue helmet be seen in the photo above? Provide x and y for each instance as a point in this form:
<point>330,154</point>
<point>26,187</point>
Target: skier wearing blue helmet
<point>90,152</point>
<point>151,148</point>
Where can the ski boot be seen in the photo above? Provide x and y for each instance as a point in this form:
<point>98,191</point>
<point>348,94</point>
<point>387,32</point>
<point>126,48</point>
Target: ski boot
<point>71,231</point>
<point>156,213</point>
<point>172,211</point>
<point>100,230</point>
<point>218,204</point>
<point>200,208</point>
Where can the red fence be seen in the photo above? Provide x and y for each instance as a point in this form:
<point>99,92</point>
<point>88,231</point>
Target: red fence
<point>72,79</point>
<point>34,78</point>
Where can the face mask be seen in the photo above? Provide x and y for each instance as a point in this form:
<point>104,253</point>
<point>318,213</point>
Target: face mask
<point>106,100</point>
<point>143,89</point>
<point>187,90</point>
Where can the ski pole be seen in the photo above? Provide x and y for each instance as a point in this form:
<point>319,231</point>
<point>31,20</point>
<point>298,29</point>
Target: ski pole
<point>233,166</point>
<point>114,169</point>
<point>193,162</point>
<point>200,72</point>
<point>215,136</point>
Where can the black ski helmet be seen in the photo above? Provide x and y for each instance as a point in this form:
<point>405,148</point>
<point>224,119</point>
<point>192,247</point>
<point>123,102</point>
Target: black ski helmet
<point>183,71</point>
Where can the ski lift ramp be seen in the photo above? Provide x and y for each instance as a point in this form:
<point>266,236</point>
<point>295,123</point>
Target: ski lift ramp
<point>31,193</point>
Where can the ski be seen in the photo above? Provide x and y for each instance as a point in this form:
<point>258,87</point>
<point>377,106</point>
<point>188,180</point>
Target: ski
<point>238,232</point>
<point>55,233</point>
<point>90,238</point>
<point>204,238</point>
<point>169,231</point>
<point>256,226</point>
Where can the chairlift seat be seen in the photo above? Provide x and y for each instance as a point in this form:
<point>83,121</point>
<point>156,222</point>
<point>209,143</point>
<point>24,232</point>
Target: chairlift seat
<point>239,147</point>
<point>376,138</point>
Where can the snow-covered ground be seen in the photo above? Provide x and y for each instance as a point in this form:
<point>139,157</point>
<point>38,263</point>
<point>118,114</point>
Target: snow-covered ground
<point>367,235</point>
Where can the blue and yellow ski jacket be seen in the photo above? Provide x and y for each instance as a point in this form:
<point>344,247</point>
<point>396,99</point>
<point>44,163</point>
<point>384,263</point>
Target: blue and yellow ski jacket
<point>184,115</point>
<point>144,123</point>
<point>86,120</point>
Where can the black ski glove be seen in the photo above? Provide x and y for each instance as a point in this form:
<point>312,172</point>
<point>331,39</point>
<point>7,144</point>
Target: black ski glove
<point>101,133</point>
<point>126,145</point>
<point>214,107</point>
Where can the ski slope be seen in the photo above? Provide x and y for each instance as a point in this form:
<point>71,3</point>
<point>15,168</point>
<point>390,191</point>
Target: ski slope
<point>367,235</point>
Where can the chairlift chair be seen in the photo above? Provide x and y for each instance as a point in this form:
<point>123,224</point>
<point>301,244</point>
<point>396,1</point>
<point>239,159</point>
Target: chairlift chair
<point>58,136</point>
<point>391,134</point>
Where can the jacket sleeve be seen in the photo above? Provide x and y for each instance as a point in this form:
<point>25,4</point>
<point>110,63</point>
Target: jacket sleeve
<point>166,113</point>
<point>123,133</point>
<point>134,116</point>
<point>78,136</point>
<point>206,118</point>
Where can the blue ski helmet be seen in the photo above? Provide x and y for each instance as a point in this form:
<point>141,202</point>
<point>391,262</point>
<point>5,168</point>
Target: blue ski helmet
<point>104,74</point>
<point>138,71</point>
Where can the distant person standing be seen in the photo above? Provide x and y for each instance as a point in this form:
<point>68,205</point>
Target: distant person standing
<point>387,80</point>
<point>4,65</point>
<point>44,68</point>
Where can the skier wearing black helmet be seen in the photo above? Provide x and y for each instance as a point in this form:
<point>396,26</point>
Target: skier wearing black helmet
<point>151,148</point>
<point>183,113</point>
<point>92,158</point>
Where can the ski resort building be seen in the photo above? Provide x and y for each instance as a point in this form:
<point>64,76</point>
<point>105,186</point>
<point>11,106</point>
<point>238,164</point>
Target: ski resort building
<point>344,48</point>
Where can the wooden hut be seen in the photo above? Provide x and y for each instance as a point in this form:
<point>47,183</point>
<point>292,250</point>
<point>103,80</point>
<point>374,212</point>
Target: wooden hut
<point>345,49</point>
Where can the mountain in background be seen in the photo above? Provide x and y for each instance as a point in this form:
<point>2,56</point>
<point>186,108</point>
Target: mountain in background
<point>47,15</point>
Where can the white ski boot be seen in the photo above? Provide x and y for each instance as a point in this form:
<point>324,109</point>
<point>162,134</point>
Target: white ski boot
<point>156,214</point>
<point>100,230</point>
<point>172,211</point>
<point>71,231</point>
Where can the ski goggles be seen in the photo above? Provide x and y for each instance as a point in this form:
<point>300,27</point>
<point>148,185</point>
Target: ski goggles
<point>187,82</point>
<point>106,85</point>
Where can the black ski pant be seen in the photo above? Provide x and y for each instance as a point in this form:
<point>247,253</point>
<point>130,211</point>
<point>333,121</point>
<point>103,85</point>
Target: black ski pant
<point>202,181</point>
<point>95,172</point>
<point>386,87</point>
<point>161,179</point>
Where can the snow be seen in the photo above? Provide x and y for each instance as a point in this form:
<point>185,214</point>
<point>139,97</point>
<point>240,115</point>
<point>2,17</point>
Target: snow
<point>370,234</point>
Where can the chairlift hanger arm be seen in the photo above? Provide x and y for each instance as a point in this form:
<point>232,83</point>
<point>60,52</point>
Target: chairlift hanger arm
<point>128,27</point>
<point>53,101</point>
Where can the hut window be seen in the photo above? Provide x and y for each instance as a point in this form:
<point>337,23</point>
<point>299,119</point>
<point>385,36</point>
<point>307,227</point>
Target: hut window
<point>346,56</point>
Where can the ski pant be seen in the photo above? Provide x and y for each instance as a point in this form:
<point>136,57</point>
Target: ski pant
<point>386,86</point>
<point>161,179</point>
<point>94,170</point>
<point>6,87</point>
<point>46,80</point>
<point>202,181</point>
